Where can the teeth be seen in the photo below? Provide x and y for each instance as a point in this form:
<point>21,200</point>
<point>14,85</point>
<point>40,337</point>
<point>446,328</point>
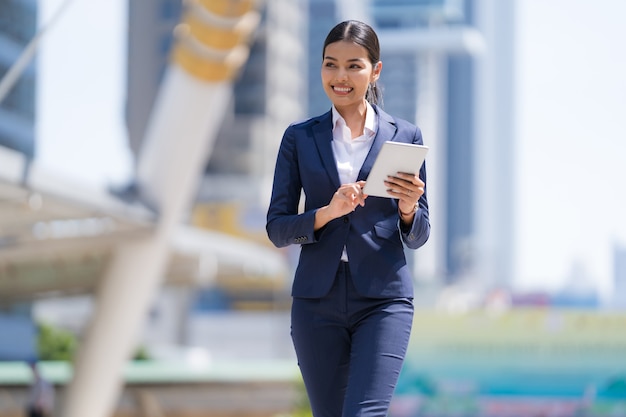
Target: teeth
<point>342,89</point>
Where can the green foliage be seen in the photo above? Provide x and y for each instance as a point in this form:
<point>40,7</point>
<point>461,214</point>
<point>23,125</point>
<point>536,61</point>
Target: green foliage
<point>55,344</point>
<point>302,407</point>
<point>141,354</point>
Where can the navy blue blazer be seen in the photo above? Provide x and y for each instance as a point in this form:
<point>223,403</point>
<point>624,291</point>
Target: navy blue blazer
<point>373,234</point>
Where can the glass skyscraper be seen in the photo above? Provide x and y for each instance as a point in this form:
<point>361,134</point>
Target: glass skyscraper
<point>18,25</point>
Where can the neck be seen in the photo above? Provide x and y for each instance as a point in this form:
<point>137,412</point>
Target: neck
<point>354,117</point>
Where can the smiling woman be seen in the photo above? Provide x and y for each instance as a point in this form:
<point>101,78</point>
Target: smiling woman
<point>352,292</point>
<point>347,73</point>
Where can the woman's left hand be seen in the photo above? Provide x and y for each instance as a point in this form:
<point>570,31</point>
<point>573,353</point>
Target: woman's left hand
<point>407,188</point>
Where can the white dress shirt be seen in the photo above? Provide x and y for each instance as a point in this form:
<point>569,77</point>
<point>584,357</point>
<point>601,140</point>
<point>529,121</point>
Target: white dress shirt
<point>351,153</point>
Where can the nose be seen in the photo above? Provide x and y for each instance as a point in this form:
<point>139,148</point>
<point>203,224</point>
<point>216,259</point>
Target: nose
<point>342,75</point>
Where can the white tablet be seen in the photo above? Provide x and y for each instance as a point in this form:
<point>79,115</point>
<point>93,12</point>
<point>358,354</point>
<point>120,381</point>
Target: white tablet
<point>393,157</point>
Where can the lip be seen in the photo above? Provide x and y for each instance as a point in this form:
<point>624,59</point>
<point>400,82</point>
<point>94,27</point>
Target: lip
<point>342,89</point>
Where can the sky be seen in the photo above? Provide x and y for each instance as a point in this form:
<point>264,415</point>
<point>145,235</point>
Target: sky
<point>81,92</point>
<point>570,100</point>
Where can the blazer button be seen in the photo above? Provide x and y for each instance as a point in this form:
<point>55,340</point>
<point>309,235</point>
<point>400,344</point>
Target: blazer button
<point>345,219</point>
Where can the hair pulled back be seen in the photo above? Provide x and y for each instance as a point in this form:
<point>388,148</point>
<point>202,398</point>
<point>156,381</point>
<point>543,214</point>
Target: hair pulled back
<point>363,35</point>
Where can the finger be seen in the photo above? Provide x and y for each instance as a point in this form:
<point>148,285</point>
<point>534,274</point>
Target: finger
<point>399,193</point>
<point>358,195</point>
<point>353,195</point>
<point>394,183</point>
<point>412,178</point>
<point>402,184</point>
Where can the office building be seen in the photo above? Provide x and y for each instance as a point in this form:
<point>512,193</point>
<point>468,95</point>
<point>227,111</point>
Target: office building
<point>18,24</point>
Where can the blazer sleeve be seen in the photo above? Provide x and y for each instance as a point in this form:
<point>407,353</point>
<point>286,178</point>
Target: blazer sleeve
<point>417,234</point>
<point>285,226</point>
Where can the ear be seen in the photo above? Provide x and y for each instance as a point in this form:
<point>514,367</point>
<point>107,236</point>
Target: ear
<point>376,71</point>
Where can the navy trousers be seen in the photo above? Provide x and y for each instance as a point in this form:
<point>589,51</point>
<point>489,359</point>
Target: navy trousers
<point>350,348</point>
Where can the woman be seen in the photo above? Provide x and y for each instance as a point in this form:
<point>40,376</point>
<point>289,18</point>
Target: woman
<point>352,292</point>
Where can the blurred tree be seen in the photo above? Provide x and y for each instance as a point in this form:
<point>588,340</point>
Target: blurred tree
<point>141,354</point>
<point>55,344</point>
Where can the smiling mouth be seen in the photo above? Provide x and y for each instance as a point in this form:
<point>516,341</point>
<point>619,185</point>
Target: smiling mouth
<point>342,90</point>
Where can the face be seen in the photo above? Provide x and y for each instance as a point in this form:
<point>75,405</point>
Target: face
<point>347,72</point>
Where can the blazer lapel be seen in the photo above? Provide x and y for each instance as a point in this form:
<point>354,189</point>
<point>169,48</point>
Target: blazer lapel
<point>386,131</point>
<point>323,134</point>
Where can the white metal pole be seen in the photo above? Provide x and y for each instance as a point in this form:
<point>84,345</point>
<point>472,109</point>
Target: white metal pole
<point>183,128</point>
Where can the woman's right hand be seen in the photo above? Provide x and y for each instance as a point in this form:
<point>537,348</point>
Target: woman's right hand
<point>344,201</point>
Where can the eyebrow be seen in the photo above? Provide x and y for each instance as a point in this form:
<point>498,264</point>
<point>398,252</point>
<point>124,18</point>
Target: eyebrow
<point>349,60</point>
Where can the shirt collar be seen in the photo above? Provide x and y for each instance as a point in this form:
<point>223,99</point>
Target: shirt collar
<point>370,119</point>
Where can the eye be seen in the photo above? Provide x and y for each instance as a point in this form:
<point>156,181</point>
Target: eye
<point>355,66</point>
<point>329,65</point>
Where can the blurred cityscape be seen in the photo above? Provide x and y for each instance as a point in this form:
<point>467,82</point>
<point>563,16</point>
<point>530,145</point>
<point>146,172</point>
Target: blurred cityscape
<point>161,295</point>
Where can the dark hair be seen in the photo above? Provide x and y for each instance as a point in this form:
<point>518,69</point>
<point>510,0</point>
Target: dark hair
<point>362,34</point>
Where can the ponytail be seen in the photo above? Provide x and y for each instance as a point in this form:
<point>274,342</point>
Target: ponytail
<point>374,94</point>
